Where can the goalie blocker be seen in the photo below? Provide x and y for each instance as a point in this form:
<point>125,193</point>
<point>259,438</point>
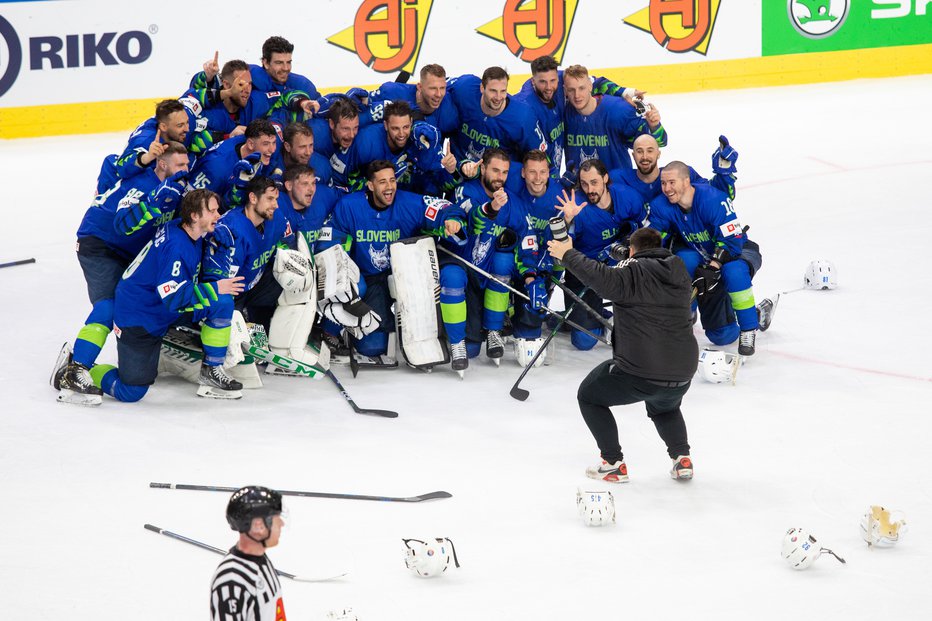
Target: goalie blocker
<point>415,286</point>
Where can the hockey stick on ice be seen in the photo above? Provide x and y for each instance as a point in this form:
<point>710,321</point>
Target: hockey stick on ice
<point>20,262</point>
<point>546,309</point>
<point>215,488</point>
<point>521,394</point>
<point>356,408</point>
<point>194,542</point>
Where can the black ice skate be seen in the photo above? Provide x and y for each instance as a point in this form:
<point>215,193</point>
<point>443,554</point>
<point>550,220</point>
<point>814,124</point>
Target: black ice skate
<point>460,360</point>
<point>765,313</point>
<point>216,384</point>
<point>74,382</point>
<point>495,346</point>
<point>746,342</point>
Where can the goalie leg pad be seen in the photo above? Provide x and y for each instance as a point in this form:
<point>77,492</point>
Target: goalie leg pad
<point>416,283</point>
<point>337,275</point>
<point>289,332</point>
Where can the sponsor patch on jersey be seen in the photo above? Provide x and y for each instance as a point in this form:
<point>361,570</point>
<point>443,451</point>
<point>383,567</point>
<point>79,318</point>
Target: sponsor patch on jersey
<point>168,288</point>
<point>273,94</point>
<point>434,205</point>
<point>288,231</point>
<point>192,104</point>
<point>326,234</point>
<point>529,242</point>
<point>730,228</point>
<point>117,331</point>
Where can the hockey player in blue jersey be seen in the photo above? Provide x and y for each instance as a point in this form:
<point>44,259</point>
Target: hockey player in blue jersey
<point>252,232</point>
<point>427,99</point>
<point>160,288</point>
<point>334,137</point>
<point>228,166</point>
<point>607,216</point>
<point>543,93</point>
<point>275,74</point>
<point>366,223</point>
<point>711,241</point>
<point>415,149</point>
<point>114,229</point>
<point>490,117</point>
<point>603,128</point>
<point>645,176</point>
<point>297,147</point>
<point>305,203</point>
<point>506,247</point>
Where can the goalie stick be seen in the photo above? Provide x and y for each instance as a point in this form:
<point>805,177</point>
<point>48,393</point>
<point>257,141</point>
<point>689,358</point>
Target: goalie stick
<point>214,488</point>
<point>204,546</point>
<point>20,262</point>
<point>356,408</point>
<point>546,309</point>
<point>521,394</point>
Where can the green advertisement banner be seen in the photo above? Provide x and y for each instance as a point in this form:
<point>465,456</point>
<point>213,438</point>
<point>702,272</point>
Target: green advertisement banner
<point>797,26</point>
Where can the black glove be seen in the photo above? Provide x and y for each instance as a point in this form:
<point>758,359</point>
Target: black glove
<point>706,279</point>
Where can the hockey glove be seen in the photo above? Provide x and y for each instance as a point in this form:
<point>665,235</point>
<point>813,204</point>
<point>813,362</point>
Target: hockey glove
<point>569,178</point>
<point>537,291</point>
<point>132,216</point>
<point>359,96</point>
<point>218,253</point>
<point>356,316</point>
<point>168,194</point>
<point>246,169</point>
<point>724,158</point>
<point>707,279</point>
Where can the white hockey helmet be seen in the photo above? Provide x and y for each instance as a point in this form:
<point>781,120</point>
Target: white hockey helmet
<point>526,349</point>
<point>596,508</point>
<point>717,366</point>
<point>821,274</point>
<point>431,557</point>
<point>880,527</point>
<point>800,549</point>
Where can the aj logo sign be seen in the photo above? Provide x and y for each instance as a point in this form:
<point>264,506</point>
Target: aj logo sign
<point>386,34</point>
<point>678,25</point>
<point>533,28</point>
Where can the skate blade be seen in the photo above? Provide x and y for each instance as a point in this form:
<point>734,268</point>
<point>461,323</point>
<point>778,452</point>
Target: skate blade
<point>496,361</point>
<point>212,392</point>
<point>462,374</point>
<point>77,398</point>
<point>64,357</point>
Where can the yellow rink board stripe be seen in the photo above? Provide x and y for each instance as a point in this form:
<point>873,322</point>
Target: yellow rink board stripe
<point>108,116</point>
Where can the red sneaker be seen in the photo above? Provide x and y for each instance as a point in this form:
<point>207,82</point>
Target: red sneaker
<point>682,468</point>
<point>610,473</point>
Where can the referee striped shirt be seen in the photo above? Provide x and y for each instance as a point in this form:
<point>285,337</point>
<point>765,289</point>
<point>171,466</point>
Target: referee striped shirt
<point>246,588</point>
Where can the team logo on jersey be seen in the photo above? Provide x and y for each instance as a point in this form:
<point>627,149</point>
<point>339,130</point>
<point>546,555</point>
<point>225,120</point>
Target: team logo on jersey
<point>379,258</point>
<point>678,25</point>
<point>480,251</point>
<point>386,35</point>
<point>533,28</point>
<point>817,19</point>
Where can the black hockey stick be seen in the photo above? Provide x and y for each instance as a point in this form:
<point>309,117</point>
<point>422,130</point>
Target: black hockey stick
<point>215,488</point>
<point>546,309</point>
<point>521,394</point>
<point>204,546</point>
<point>578,298</point>
<point>356,408</point>
<point>20,262</point>
<point>403,77</point>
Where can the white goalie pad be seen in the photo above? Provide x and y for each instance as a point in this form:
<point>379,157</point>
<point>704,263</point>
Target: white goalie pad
<point>289,333</point>
<point>337,275</point>
<point>182,355</point>
<point>415,285</point>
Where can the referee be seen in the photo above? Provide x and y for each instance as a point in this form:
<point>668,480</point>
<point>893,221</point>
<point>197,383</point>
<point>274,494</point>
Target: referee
<point>654,352</point>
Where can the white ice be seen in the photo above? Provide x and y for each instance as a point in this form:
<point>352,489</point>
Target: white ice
<point>830,416</point>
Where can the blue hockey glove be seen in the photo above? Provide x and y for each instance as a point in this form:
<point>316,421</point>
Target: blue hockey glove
<point>359,96</point>
<point>569,178</point>
<point>168,194</point>
<point>134,217</point>
<point>537,291</point>
<point>218,253</point>
<point>429,145</point>
<point>724,158</point>
<point>706,279</point>
<point>245,169</point>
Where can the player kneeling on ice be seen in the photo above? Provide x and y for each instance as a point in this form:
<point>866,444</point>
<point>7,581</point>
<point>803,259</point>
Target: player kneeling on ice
<point>245,584</point>
<point>367,224</point>
<point>162,287</point>
<point>654,351</point>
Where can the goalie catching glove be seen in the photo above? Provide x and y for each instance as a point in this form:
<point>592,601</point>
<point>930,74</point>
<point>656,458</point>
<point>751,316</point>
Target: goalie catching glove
<point>293,270</point>
<point>355,316</point>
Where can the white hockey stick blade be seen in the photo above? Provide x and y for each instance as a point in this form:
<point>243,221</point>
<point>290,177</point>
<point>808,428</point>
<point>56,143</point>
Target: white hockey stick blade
<point>313,579</point>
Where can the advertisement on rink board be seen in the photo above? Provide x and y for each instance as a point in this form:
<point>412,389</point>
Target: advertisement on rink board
<point>94,50</point>
<point>799,26</point>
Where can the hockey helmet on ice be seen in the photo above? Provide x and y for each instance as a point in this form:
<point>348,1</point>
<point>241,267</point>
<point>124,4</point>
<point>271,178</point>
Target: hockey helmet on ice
<point>431,557</point>
<point>821,274</point>
<point>717,366</point>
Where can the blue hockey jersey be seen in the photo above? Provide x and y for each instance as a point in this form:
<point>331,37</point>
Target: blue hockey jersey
<point>607,133</point>
<point>445,118</point>
<point>309,221</point>
<point>710,223</point>
<point>255,247</point>
<point>593,228</point>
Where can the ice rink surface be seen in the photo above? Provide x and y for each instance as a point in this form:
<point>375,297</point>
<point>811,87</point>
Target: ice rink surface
<point>830,416</point>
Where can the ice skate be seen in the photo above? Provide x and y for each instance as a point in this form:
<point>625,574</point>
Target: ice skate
<point>765,313</point>
<point>339,352</point>
<point>74,382</point>
<point>216,384</point>
<point>746,342</point>
<point>682,468</point>
<point>610,473</point>
<point>460,360</point>
<point>495,346</point>
<point>64,359</point>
